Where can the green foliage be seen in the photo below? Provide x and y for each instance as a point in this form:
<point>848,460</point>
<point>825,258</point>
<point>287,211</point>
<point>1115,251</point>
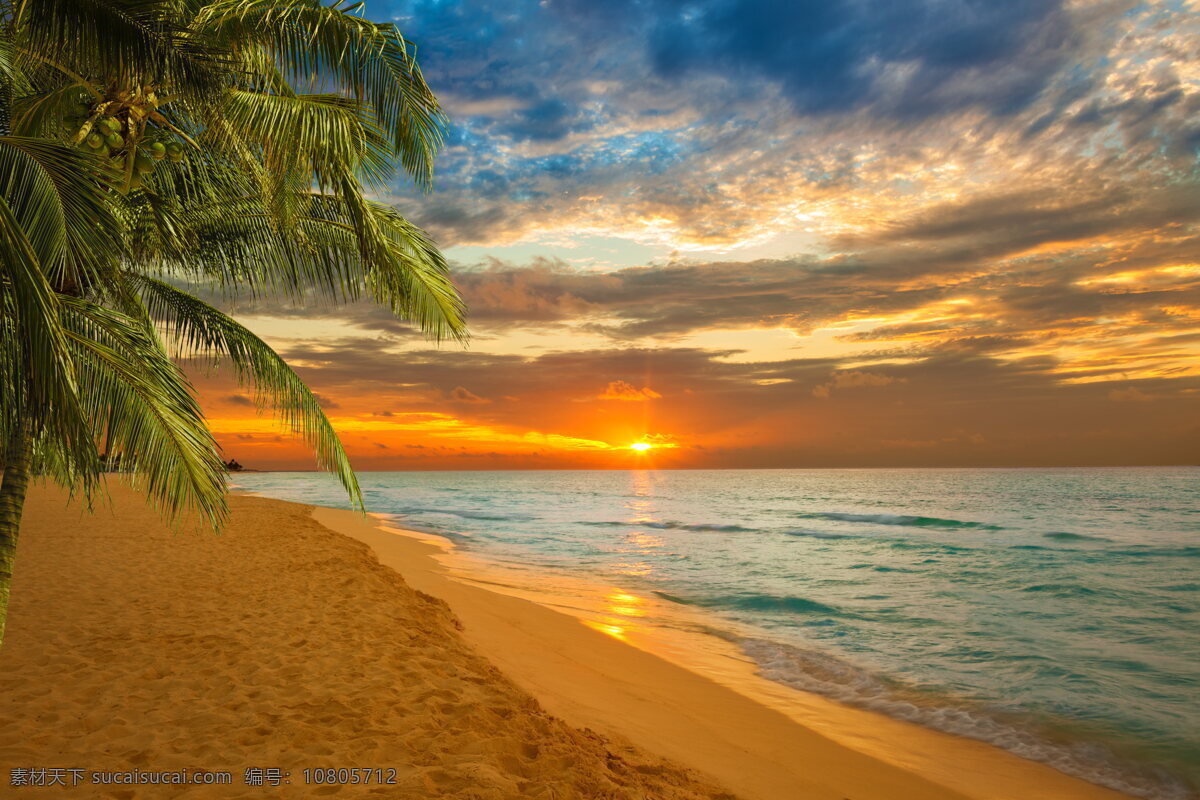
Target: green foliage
<point>153,144</point>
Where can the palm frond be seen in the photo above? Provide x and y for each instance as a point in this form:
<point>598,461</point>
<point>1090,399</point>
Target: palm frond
<point>286,110</point>
<point>321,133</point>
<point>144,410</point>
<point>205,332</point>
<point>125,40</point>
<point>60,197</point>
<point>33,239</point>
<point>316,44</point>
<point>324,255</point>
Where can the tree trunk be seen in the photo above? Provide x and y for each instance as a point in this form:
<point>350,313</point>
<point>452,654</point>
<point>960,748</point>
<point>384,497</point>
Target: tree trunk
<point>18,455</point>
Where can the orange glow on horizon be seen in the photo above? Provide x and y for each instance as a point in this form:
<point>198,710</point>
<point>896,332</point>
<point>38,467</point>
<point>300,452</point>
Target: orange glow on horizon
<point>641,447</point>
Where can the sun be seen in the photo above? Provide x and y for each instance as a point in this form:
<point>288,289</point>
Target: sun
<point>641,447</point>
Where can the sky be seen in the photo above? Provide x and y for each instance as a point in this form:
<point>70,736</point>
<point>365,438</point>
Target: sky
<point>788,233</point>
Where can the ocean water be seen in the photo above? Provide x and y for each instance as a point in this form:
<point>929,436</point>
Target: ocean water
<point>1052,612</point>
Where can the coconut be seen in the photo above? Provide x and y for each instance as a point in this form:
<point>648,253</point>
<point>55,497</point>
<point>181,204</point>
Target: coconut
<point>114,140</point>
<point>157,150</point>
<point>109,124</point>
<point>143,164</point>
<point>95,141</point>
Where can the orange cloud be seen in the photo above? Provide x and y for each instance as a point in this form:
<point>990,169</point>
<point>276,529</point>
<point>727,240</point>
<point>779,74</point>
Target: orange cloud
<point>660,440</point>
<point>427,426</point>
<point>623,390</point>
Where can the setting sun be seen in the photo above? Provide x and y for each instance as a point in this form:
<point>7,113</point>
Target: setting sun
<point>641,447</point>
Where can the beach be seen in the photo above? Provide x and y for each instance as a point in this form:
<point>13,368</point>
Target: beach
<point>301,639</point>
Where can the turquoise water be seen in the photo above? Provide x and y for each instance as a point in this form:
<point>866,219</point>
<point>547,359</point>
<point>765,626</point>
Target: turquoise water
<point>1053,612</point>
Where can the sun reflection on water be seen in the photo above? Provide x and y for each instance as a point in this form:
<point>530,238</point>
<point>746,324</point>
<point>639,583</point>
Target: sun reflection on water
<point>625,604</point>
<point>641,512</point>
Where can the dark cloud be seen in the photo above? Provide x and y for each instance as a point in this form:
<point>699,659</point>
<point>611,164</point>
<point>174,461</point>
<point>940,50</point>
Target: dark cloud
<point>1009,222</point>
<point>326,402</point>
<point>546,120</point>
<point>912,59</point>
<point>460,394</point>
<point>827,56</point>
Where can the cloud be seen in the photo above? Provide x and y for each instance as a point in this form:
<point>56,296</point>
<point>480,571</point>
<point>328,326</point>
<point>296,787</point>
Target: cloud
<point>725,123</point>
<point>325,402</point>
<point>239,400</point>
<point>853,379</point>
<point>541,291</point>
<point>462,395</point>
<point>623,390</point>
<point>1129,395</point>
<point>921,58</point>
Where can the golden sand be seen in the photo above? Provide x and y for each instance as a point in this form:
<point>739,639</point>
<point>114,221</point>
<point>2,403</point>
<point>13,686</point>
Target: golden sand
<point>286,644</point>
<point>277,644</point>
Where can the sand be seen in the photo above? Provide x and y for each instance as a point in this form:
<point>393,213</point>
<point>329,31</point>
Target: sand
<point>305,638</point>
<point>278,644</point>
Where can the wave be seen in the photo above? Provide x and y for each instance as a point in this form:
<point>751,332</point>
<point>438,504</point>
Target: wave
<point>713,527</point>
<point>821,673</point>
<point>1061,589</point>
<point>493,517</point>
<point>929,547</point>
<point>902,519</point>
<point>1064,536</point>
<point>675,526</point>
<point>756,602</point>
<point>1144,551</point>
<point>817,534</point>
<point>698,527</point>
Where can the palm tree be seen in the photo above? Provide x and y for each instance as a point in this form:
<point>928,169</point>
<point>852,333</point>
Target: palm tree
<point>150,146</point>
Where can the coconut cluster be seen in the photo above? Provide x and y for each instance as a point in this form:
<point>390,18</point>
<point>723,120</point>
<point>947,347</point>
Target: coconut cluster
<point>109,138</point>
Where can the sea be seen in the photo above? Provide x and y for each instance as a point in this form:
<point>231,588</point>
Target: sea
<point>1052,612</point>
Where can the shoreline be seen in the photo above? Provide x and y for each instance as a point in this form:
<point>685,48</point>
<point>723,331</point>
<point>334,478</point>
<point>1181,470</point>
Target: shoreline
<point>580,672</point>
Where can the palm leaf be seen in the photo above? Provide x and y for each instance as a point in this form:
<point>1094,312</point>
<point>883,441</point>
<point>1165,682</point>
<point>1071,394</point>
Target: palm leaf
<point>144,410</point>
<point>61,197</point>
<point>125,40</point>
<point>315,44</point>
<point>34,240</point>
<point>206,332</point>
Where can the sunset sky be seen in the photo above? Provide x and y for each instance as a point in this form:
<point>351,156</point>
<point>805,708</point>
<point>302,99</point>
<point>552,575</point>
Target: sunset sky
<point>798,233</point>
